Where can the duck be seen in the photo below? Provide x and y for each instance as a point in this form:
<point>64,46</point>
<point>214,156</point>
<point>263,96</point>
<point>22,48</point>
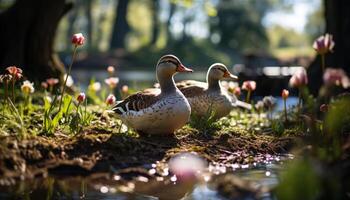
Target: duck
<point>210,97</point>
<point>157,111</point>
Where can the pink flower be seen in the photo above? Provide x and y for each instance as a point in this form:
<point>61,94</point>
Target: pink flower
<point>298,79</point>
<point>110,70</point>
<point>324,44</point>
<point>249,85</point>
<point>285,94</point>
<point>44,85</point>
<point>324,108</point>
<point>52,81</point>
<point>112,82</point>
<point>337,77</point>
<point>125,89</point>
<point>81,97</point>
<point>110,99</point>
<point>237,91</point>
<point>15,72</point>
<point>78,39</point>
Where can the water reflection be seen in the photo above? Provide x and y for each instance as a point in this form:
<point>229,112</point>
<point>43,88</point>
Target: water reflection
<point>262,176</point>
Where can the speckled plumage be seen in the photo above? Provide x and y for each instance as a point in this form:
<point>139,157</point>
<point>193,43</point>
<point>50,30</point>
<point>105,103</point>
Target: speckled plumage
<point>157,111</point>
<point>210,96</point>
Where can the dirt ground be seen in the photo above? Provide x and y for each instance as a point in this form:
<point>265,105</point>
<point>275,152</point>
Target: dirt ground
<point>98,151</point>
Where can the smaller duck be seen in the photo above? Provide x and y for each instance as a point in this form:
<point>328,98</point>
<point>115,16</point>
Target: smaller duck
<point>211,96</point>
<point>157,111</point>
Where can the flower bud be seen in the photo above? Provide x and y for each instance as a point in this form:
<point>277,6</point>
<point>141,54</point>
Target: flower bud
<point>110,70</point>
<point>237,91</point>
<point>285,94</point>
<point>249,85</point>
<point>81,97</point>
<point>324,108</point>
<point>324,44</point>
<point>110,99</point>
<point>78,39</point>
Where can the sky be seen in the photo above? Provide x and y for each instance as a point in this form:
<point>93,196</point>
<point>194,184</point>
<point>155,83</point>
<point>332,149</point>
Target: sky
<point>296,18</point>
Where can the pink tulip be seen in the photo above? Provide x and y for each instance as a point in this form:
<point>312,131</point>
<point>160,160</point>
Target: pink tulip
<point>337,77</point>
<point>81,97</point>
<point>299,79</point>
<point>15,72</point>
<point>52,81</point>
<point>110,99</point>
<point>324,108</point>
<point>112,82</point>
<point>125,89</point>
<point>324,44</point>
<point>285,94</point>
<point>44,85</point>
<point>237,91</point>
<point>110,70</point>
<point>249,85</point>
<point>78,39</point>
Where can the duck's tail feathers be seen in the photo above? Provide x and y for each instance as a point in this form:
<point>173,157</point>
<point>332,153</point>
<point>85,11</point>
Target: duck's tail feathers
<point>244,105</point>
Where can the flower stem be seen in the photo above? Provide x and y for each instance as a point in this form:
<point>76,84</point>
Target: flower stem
<point>248,96</point>
<point>285,110</point>
<point>299,100</point>
<point>13,89</point>
<point>323,62</point>
<point>65,80</point>
<point>6,91</point>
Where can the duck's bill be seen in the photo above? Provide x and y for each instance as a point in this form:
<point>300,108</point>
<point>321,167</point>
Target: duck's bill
<point>228,75</point>
<point>182,68</point>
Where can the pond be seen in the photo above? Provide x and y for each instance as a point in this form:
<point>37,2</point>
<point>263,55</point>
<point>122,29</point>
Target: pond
<point>261,176</point>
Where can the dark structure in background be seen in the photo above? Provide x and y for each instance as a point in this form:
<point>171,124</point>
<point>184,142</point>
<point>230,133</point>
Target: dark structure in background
<point>337,18</point>
<point>27,35</point>
<point>27,32</point>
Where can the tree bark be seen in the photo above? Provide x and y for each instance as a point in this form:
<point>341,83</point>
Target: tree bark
<point>168,23</point>
<point>27,36</point>
<point>155,20</point>
<point>88,11</point>
<point>121,26</point>
<point>337,17</point>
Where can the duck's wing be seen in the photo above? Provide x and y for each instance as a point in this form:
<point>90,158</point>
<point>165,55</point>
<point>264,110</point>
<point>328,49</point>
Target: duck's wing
<point>193,91</point>
<point>189,83</point>
<point>138,101</point>
<point>238,103</point>
<point>243,104</point>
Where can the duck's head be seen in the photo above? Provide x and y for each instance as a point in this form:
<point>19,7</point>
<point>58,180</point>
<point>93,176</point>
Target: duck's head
<point>168,65</point>
<point>219,71</point>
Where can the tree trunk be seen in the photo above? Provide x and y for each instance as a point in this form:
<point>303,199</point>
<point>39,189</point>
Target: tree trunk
<point>337,18</point>
<point>168,23</point>
<point>88,11</point>
<point>27,36</point>
<point>121,26</point>
<point>155,20</point>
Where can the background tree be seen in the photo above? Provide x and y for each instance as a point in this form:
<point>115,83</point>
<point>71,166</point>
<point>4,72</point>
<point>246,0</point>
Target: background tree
<point>121,26</point>
<point>337,17</point>
<point>27,34</point>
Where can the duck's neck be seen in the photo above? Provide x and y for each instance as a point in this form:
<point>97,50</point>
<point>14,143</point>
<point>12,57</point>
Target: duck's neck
<point>167,84</point>
<point>213,84</point>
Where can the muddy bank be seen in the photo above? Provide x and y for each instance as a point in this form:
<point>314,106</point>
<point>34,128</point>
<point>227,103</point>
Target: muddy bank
<point>98,151</point>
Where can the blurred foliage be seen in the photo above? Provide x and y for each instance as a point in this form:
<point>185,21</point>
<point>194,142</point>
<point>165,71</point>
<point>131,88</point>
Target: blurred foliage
<point>315,25</point>
<point>299,181</point>
<point>227,29</point>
